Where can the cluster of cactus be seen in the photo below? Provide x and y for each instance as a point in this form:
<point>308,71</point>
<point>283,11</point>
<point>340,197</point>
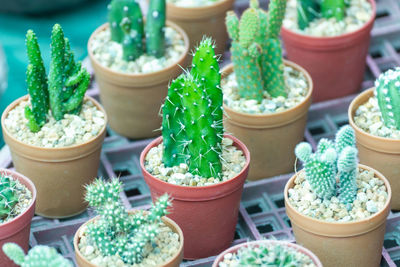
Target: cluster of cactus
<point>63,90</point>
<point>8,196</point>
<point>127,28</point>
<point>329,162</point>
<point>256,50</point>
<point>308,10</point>
<point>388,94</point>
<point>192,116</point>
<point>116,231</point>
<point>38,256</point>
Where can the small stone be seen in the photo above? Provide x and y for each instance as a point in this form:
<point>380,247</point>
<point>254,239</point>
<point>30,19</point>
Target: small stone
<point>371,206</point>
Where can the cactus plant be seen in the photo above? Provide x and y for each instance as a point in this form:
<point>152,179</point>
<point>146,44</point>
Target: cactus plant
<point>192,116</point>
<point>8,196</point>
<point>388,94</point>
<point>126,26</point>
<point>116,231</point>
<point>38,256</point>
<point>308,10</point>
<point>332,161</point>
<point>333,9</point>
<point>64,88</point>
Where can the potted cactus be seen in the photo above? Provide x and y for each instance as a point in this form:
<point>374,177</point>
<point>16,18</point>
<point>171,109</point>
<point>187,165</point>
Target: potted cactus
<point>133,61</point>
<point>17,206</point>
<point>267,253</point>
<point>374,116</point>
<point>201,168</point>
<point>55,133</point>
<point>38,256</point>
<point>330,39</point>
<point>201,17</point>
<point>132,237</point>
<point>266,99</point>
<point>339,203</point>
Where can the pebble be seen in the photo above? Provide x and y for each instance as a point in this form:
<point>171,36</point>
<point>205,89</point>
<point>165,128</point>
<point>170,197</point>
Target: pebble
<point>357,15</point>
<point>192,3</point>
<point>296,83</point>
<point>109,53</point>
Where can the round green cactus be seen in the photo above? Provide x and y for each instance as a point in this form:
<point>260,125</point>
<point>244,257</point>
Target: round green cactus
<point>8,195</point>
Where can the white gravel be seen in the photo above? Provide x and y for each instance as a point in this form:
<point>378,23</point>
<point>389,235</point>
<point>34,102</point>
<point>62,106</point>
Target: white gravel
<point>192,3</point>
<point>295,81</point>
<point>371,198</point>
<point>357,15</point>
<point>72,130</point>
<point>369,118</point>
<point>232,164</point>
<point>109,53</point>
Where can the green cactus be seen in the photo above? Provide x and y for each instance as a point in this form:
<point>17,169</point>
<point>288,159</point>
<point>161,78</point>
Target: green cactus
<point>116,231</point>
<point>307,11</point>
<point>155,25</point>
<point>8,196</point>
<point>347,166</point>
<point>256,53</point>
<point>38,256</point>
<point>388,94</point>
<point>333,9</point>
<point>192,116</point>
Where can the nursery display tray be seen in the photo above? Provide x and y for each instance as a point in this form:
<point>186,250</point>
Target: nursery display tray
<point>262,211</point>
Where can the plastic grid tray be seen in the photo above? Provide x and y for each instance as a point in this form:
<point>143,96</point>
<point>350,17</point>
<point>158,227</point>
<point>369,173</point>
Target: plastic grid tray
<point>262,212</point>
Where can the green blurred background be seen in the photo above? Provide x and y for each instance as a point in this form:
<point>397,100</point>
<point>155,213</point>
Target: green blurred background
<point>78,23</point>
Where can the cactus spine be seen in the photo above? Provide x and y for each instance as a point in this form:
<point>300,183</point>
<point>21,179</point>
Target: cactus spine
<point>38,256</point>
<point>192,116</point>
<point>8,196</point>
<point>257,53</point>
<point>388,94</point>
<point>330,161</point>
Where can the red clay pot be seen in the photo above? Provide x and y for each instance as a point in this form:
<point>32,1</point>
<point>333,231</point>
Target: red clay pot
<point>18,229</point>
<point>207,215</point>
<point>336,64</point>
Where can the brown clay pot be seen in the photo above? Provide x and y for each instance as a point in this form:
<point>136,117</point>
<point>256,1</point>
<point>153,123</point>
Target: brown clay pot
<point>298,248</point>
<point>17,230</point>
<point>59,174</point>
<point>336,64</point>
<point>200,21</point>
<point>133,101</point>
<point>351,244</point>
<point>380,153</point>
<point>173,262</point>
<point>270,138</point>
<point>207,214</point>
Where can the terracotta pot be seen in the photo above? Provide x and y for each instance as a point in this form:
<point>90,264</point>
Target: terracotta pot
<point>173,262</point>
<point>207,214</point>
<point>133,101</point>
<point>380,153</point>
<point>270,138</point>
<point>352,244</point>
<point>58,173</point>
<point>336,64</point>
<point>199,21</point>
<point>17,230</point>
<point>298,248</point>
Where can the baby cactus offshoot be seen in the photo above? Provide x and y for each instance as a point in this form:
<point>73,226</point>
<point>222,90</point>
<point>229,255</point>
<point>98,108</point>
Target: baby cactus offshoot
<point>8,196</point>
<point>308,10</point>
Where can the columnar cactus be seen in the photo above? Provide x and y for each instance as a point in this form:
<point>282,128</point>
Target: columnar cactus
<point>64,88</point>
<point>308,10</point>
<point>332,161</point>
<point>38,256</point>
<point>256,50</point>
<point>333,9</point>
<point>126,25</point>
<point>117,232</point>
<point>267,255</point>
<point>192,116</point>
<point>388,94</point>
<point>8,196</point>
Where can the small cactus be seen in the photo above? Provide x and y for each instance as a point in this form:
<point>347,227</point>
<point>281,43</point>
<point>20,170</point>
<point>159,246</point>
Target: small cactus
<point>333,9</point>
<point>388,94</point>
<point>192,116</point>
<point>38,256</point>
<point>329,162</point>
<point>8,196</point>
<point>308,10</point>
<point>116,231</point>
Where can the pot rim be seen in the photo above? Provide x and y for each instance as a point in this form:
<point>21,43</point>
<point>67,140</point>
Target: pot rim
<point>198,12</point>
<point>158,141</point>
<point>337,37</point>
<point>205,8</point>
<point>276,114</point>
<point>171,224</point>
<point>141,75</point>
<point>332,224</point>
<point>13,104</point>
<point>285,243</point>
